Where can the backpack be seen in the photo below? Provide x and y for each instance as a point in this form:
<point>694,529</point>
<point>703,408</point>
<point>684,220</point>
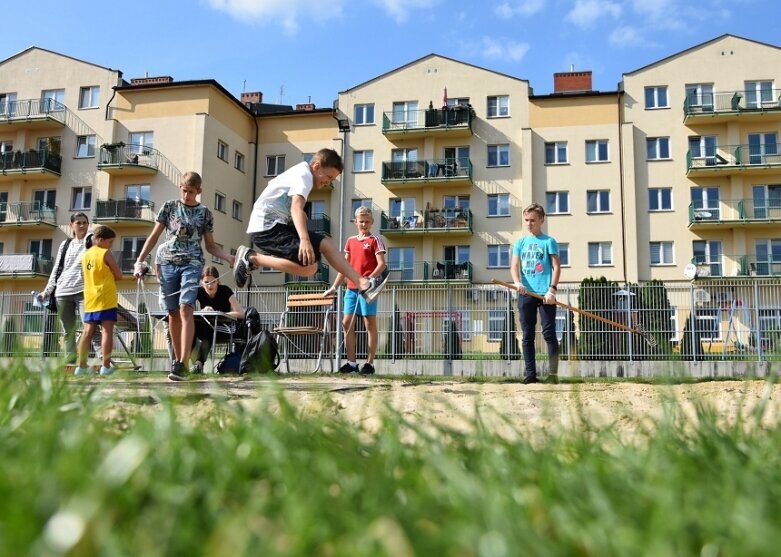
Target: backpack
<point>250,325</point>
<point>261,354</point>
<point>230,363</point>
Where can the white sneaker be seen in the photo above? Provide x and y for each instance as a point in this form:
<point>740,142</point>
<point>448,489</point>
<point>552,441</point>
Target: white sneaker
<point>376,284</point>
<point>83,371</point>
<point>107,370</point>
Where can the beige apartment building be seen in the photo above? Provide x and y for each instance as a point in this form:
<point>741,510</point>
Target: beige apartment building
<point>679,165</point>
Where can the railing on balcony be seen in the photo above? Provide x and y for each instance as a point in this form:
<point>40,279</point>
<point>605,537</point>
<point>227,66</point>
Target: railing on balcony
<point>18,162</point>
<point>709,266</point>
<point>458,116</point>
<point>126,260</point>
<point>321,276</point>
<point>120,155</point>
<point>747,211</point>
<point>12,264</point>
<point>768,265</point>
<point>427,170</point>
<point>27,212</point>
<point>408,271</point>
<point>730,101</point>
<point>32,109</point>
<point>320,223</point>
<point>124,209</point>
<point>450,270</point>
<point>737,156</point>
<point>429,220</point>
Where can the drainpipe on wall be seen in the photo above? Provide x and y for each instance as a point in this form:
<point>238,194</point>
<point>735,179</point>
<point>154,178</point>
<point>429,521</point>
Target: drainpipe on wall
<point>621,183</point>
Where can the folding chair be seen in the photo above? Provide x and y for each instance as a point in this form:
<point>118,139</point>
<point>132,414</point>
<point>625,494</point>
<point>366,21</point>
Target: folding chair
<point>307,317</point>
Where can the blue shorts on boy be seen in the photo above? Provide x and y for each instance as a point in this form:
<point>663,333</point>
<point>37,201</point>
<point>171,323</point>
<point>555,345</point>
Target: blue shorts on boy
<point>364,309</point>
<point>182,281</point>
<point>102,315</point>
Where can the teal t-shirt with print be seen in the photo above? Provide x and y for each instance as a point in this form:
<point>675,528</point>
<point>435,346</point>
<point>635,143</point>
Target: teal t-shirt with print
<point>534,254</point>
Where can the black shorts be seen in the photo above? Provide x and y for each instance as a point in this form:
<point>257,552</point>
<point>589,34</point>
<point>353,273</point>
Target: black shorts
<point>282,241</point>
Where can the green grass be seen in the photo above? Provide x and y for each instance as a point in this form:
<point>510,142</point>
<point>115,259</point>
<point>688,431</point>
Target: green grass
<point>80,477</point>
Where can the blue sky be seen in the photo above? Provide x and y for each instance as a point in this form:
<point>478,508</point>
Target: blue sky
<point>297,50</point>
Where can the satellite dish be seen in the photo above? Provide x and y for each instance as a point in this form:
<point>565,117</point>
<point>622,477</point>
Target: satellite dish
<point>690,271</point>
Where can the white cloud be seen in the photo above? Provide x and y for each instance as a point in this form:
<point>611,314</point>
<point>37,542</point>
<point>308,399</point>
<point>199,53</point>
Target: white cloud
<point>400,10</point>
<point>626,35</point>
<point>286,12</point>
<point>523,8</point>
<point>503,50</point>
<point>586,12</point>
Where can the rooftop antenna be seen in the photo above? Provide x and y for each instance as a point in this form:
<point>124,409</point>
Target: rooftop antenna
<point>244,88</point>
<point>281,93</point>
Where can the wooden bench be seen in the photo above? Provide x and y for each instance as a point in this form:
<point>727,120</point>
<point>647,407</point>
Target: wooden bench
<point>310,318</point>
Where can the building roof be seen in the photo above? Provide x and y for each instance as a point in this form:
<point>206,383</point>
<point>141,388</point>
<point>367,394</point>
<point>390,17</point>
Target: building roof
<point>30,48</point>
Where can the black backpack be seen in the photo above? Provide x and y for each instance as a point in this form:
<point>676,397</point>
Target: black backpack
<point>261,354</point>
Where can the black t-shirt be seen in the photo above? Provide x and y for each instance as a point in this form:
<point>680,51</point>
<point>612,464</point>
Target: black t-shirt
<point>221,300</point>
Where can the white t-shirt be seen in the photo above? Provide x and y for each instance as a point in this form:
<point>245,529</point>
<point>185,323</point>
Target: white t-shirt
<point>273,205</point>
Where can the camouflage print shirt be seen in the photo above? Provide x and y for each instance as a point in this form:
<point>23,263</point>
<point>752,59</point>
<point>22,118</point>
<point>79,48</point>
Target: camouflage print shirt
<point>185,226</point>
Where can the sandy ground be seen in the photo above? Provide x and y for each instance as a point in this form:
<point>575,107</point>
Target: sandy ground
<point>509,409</point>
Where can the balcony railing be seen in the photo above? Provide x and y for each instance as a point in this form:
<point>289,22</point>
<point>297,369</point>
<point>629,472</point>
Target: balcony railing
<point>766,266</point>
<point>26,110</point>
<point>428,221</point>
<point>744,211</point>
<point>29,212</point>
<point>12,264</point>
<point>730,102</point>
<point>18,162</point>
<point>124,209</point>
<point>320,223</point>
<point>457,117</point>
<point>408,271</point>
<point>321,276</point>
<point>126,260</point>
<point>429,170</point>
<point>450,270</point>
<point>732,157</point>
<point>709,266</point>
<point>118,156</point>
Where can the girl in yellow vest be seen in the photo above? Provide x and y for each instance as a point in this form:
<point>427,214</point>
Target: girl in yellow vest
<point>100,298</point>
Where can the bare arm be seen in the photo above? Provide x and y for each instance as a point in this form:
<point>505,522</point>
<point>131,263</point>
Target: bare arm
<point>151,242</point>
<point>237,310</point>
<point>111,261</point>
<point>213,248</point>
<point>306,253</point>
<point>380,264</point>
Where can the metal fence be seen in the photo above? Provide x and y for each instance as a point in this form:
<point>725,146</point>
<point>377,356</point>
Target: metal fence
<point>734,320</point>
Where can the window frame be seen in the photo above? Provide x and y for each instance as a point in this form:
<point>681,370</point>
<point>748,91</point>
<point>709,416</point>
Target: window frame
<point>277,160</point>
<point>366,117</point>
<point>495,108</point>
<point>660,199</point>
<point>500,209</point>
<point>496,151</point>
<point>237,208</point>
<point>563,253</point>
<point>220,202</point>
<point>93,92</point>
<point>85,193</point>
<point>89,145</point>
<point>664,249</point>
<point>655,90</point>
<point>239,161</point>
<point>657,143</point>
<point>555,149</point>
<point>598,144</point>
<point>600,196</point>
<point>223,150</point>
<point>366,159</point>
<point>498,253</point>
<point>604,254</point>
<point>555,208</point>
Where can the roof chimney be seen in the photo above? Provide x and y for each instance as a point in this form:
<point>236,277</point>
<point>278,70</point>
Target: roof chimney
<point>151,80</point>
<point>251,97</point>
<point>305,107</point>
<point>572,82</point>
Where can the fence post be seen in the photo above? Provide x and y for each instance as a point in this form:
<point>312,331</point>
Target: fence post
<point>758,329</point>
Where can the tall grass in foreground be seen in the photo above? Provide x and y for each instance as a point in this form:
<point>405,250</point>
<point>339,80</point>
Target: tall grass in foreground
<point>271,483</point>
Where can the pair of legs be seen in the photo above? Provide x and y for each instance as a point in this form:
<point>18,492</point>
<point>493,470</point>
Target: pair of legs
<point>205,334</point>
<point>354,307</point>
<point>527,309</point>
<point>106,341</point>
<point>179,290</point>
<point>69,314</point>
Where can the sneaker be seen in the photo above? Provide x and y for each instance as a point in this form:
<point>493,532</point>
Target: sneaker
<point>197,367</point>
<point>177,372</point>
<point>243,266</point>
<point>82,371</point>
<point>347,368</point>
<point>367,369</point>
<point>529,379</point>
<point>376,284</point>
<point>552,379</point>
<point>107,370</point>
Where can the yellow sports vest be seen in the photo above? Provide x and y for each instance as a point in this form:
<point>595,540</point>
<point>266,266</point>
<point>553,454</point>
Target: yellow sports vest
<point>100,288</point>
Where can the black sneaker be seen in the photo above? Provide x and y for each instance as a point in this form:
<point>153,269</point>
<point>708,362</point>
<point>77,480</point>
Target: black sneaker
<point>376,284</point>
<point>529,379</point>
<point>367,369</point>
<point>243,266</point>
<point>347,368</point>
<point>177,372</point>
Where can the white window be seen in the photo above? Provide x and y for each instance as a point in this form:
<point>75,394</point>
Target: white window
<point>89,97</point>
<point>759,94</point>
<point>498,255</point>
<point>766,200</point>
<point>401,263</point>
<point>85,146</point>
<point>596,150</point>
<point>498,106</point>
<point>557,202</point>
<point>405,114</point>
<point>364,114</point>
<point>460,202</point>
<point>703,150</point>
<point>402,208</point>
<point>762,148</point>
<point>141,143</point>
<point>236,211</point>
<point>556,152</point>
<point>699,97</point>
<point>138,193</point>
<point>497,321</point>
<point>705,203</point>
<point>238,162</point>
<point>708,253</point>
<point>222,151</point>
<point>768,256</point>
<point>499,155</point>
<point>7,104</point>
<point>656,97</point>
<point>219,202</point>
<point>498,204</point>
<point>41,248</point>
<point>131,245</point>
<point>661,253</point>
<point>81,199</point>
<point>564,254</point>
<point>275,165</point>
<point>600,254</point>
<point>660,199</point>
<point>598,201</point>
<point>363,161</point>
<point>657,148</point>
<point>52,99</point>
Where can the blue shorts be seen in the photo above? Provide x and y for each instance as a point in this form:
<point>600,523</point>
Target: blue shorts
<point>179,286</point>
<point>102,315</point>
<point>365,309</point>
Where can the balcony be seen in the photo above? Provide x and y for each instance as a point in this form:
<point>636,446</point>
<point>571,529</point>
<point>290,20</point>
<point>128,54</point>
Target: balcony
<point>30,214</point>
<point>733,159</point>
<point>450,270</point>
<point>416,271</point>
<point>124,211</point>
<point>24,265</point>
<point>435,172</point>
<point>126,260</point>
<point>765,213</point>
<point>454,222</point>
<point>322,276</point>
<point>455,121</point>
<point>32,113</point>
<point>766,266</point>
<point>423,271</point>
<point>30,165</point>
<point>717,108</point>
<point>320,223</point>
<point>119,159</point>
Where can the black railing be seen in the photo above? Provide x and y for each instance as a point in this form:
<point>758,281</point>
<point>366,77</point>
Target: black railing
<point>32,109</point>
<point>27,212</point>
<point>30,160</point>
<point>119,154</point>
<point>124,209</point>
<point>25,264</point>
